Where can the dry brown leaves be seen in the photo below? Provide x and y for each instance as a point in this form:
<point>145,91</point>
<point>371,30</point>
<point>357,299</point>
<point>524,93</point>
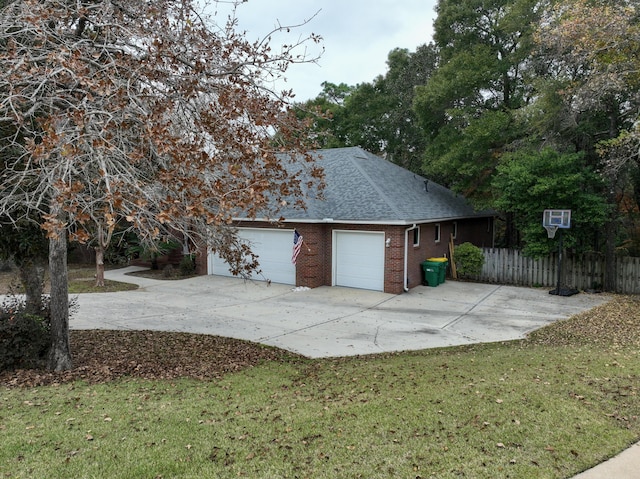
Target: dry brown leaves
<point>615,323</point>
<point>102,356</point>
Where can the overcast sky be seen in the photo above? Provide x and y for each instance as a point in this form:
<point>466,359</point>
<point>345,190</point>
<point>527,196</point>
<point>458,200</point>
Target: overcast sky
<point>357,35</point>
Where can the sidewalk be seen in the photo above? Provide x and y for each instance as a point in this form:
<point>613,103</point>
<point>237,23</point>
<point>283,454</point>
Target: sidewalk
<point>625,465</point>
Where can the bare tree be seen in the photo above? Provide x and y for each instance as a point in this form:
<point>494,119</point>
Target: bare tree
<point>144,113</point>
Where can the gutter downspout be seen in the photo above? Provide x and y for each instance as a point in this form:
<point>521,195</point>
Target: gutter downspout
<point>405,286</point>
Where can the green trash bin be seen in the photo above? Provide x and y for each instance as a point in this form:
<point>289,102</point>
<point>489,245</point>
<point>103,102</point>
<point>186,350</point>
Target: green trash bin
<point>431,272</point>
<point>442,268</point>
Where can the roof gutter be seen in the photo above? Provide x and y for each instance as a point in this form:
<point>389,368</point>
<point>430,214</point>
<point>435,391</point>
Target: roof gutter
<point>362,222</point>
<point>405,284</point>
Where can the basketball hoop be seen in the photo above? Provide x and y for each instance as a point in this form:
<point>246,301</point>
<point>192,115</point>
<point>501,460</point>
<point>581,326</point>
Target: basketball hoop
<point>551,230</point>
<point>554,220</point>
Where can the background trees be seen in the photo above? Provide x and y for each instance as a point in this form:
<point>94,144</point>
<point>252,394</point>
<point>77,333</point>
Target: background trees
<point>377,116</point>
<point>467,107</point>
<point>592,52</point>
<point>516,96</point>
<point>144,113</point>
<point>530,181</point>
<point>517,78</point>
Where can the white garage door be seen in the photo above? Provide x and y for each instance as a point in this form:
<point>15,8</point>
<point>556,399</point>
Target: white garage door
<point>273,248</point>
<point>358,259</point>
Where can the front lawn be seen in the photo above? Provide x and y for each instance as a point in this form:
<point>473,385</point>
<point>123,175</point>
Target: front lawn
<point>547,407</point>
<point>81,280</point>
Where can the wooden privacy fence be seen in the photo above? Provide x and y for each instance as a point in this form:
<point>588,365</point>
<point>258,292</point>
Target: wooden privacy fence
<point>585,271</point>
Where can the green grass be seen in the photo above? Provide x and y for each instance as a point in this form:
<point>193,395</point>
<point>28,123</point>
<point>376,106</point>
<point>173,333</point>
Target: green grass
<point>517,410</point>
<point>88,285</point>
<point>81,280</point>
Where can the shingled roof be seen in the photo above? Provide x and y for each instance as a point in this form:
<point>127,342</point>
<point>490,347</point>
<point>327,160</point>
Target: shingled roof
<point>364,188</point>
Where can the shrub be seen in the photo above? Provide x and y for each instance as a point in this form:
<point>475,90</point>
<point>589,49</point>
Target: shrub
<point>168,271</point>
<point>24,338</point>
<point>187,265</point>
<point>469,259</point>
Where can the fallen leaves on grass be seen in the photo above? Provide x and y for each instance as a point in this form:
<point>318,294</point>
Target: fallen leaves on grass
<point>101,356</point>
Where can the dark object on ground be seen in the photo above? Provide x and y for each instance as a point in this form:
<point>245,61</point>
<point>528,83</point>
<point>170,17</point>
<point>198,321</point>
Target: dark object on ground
<point>564,291</point>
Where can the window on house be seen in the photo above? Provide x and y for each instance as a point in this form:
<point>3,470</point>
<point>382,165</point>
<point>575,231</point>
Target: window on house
<point>455,229</point>
<point>437,233</point>
<point>416,236</point>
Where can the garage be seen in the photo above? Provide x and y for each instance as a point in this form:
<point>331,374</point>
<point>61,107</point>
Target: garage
<point>273,248</point>
<point>358,259</point>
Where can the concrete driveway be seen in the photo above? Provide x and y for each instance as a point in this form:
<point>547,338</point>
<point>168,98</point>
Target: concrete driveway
<point>328,321</point>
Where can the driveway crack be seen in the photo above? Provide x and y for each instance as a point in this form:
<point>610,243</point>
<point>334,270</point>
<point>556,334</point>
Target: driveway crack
<point>332,320</point>
<point>465,313</point>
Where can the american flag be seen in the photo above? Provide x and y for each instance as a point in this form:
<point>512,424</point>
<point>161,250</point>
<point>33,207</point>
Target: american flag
<point>297,245</point>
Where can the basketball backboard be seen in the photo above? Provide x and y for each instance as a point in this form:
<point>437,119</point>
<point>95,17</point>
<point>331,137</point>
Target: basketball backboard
<point>559,218</point>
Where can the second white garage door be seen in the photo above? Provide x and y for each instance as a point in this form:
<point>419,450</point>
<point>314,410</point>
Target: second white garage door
<point>273,248</point>
<point>358,259</point>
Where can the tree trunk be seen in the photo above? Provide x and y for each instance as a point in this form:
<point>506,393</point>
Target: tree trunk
<point>510,231</point>
<point>610,238</point>
<point>32,278</point>
<point>99,266</point>
<point>611,226</point>
<point>610,256</point>
<point>59,353</point>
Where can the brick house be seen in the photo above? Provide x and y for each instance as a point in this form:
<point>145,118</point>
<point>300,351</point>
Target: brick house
<point>375,225</point>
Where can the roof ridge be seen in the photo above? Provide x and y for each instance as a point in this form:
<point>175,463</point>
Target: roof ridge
<point>382,194</point>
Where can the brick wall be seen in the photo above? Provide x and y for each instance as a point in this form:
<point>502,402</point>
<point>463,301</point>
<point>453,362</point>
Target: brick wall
<point>394,260</point>
<point>315,268</point>
<point>311,267</point>
<point>314,264</point>
<point>478,231</point>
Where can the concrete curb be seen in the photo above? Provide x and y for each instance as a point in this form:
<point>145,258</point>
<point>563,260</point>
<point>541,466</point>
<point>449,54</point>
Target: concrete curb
<point>625,465</point>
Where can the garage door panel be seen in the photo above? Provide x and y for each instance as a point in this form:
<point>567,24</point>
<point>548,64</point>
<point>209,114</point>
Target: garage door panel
<point>273,249</point>
<point>359,260</point>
